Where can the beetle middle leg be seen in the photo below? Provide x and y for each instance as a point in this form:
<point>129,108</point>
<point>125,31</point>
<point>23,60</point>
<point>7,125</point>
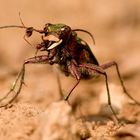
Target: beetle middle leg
<point>33,60</point>
<point>72,66</point>
<point>113,63</point>
<point>66,97</point>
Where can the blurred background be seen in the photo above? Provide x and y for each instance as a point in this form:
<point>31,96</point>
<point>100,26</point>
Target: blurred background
<point>114,24</point>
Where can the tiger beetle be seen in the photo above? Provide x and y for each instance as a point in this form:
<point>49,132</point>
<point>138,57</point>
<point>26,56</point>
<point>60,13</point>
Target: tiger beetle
<point>73,55</point>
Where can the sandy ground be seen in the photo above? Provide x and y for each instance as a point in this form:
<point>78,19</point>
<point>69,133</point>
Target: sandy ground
<point>38,113</point>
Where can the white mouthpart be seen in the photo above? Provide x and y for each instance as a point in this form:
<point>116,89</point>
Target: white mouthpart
<point>51,38</point>
<point>55,44</point>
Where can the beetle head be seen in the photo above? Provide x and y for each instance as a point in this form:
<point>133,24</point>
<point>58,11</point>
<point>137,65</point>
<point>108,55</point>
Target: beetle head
<point>60,30</point>
<point>54,36</point>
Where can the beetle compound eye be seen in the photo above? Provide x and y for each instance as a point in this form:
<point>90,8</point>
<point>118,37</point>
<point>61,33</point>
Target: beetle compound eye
<point>47,24</point>
<point>64,32</point>
<point>46,27</point>
<point>29,31</point>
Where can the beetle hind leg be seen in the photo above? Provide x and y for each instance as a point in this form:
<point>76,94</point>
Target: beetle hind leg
<point>100,70</point>
<point>113,63</point>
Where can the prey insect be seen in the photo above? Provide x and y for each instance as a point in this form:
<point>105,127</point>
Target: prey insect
<point>64,47</point>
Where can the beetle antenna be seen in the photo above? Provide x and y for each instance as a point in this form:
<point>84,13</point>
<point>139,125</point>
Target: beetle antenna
<point>22,27</point>
<point>24,37</point>
<point>85,31</point>
<point>21,19</point>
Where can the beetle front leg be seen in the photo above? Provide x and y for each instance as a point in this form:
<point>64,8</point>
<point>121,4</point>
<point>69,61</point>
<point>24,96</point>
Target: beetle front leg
<point>33,60</point>
<point>113,63</point>
<point>19,77</point>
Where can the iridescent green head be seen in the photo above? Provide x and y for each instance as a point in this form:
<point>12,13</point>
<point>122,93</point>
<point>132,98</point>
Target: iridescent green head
<point>59,30</point>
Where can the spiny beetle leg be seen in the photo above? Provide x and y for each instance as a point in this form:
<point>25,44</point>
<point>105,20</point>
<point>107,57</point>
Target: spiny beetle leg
<point>33,60</point>
<point>37,59</point>
<point>19,78</point>
<point>99,70</point>
<point>113,63</point>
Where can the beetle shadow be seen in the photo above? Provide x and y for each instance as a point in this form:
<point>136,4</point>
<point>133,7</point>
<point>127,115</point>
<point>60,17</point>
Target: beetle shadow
<point>105,115</point>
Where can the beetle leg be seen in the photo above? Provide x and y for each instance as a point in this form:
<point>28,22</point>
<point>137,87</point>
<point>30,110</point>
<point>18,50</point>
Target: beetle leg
<point>19,77</point>
<point>66,97</point>
<point>41,59</point>
<point>113,63</point>
<point>100,70</point>
<point>76,73</point>
<point>33,60</point>
<point>59,85</point>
